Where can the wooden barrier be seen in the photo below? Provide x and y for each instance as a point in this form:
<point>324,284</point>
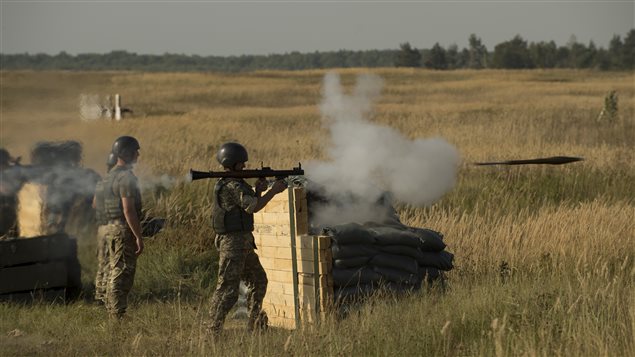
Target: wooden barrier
<point>31,210</point>
<point>298,265</point>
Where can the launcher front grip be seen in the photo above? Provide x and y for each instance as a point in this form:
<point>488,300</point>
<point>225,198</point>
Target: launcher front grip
<point>243,174</point>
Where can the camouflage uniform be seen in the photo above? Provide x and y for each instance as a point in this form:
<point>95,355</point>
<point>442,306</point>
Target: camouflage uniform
<point>237,258</point>
<point>120,182</point>
<point>101,278</point>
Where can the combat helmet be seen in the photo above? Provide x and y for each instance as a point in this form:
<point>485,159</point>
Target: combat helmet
<point>111,161</point>
<point>125,147</point>
<point>231,153</point>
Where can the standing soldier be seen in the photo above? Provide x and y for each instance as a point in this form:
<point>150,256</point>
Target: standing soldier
<point>122,208</point>
<point>101,279</point>
<point>233,222</point>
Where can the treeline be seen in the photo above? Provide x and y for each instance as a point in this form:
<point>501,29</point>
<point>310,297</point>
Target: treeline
<point>516,53</point>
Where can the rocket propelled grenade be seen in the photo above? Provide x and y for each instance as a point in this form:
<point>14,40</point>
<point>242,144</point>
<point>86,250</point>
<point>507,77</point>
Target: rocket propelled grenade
<point>263,172</point>
<point>554,160</point>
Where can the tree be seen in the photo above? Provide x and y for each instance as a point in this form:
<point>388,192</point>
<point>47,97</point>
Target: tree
<point>512,54</point>
<point>436,58</point>
<point>453,57</point>
<point>477,53</point>
<point>408,56</point>
<point>615,52</point>
<point>544,54</point>
<point>628,51</point>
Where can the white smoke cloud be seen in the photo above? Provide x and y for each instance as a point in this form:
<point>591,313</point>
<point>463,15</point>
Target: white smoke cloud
<point>367,160</point>
<point>163,182</point>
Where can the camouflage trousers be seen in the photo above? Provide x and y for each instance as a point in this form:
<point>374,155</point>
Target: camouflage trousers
<point>122,266</point>
<point>238,261</point>
<point>103,262</point>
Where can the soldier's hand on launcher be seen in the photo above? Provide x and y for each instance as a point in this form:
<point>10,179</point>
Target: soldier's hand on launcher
<point>279,186</point>
<point>262,185</point>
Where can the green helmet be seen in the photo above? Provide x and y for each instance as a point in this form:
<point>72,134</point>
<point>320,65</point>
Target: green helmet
<point>231,153</point>
<point>125,147</point>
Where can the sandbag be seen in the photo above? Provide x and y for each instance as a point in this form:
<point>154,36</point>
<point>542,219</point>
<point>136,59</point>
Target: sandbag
<point>412,252</point>
<point>397,276</point>
<point>351,233</point>
<point>440,260</point>
<point>343,251</point>
<point>391,235</point>
<point>430,241</point>
<point>396,262</point>
<point>354,276</point>
<point>352,262</point>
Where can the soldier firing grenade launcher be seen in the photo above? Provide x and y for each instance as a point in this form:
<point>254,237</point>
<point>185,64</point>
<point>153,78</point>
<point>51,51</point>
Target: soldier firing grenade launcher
<point>263,172</point>
<point>554,160</point>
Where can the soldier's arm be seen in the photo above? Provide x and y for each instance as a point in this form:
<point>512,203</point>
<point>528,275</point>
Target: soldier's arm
<point>130,212</point>
<point>277,187</point>
<point>127,191</point>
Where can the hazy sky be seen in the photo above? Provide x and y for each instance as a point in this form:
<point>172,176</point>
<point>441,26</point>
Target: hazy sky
<point>263,27</point>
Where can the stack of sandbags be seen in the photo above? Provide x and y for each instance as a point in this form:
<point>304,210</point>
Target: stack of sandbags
<point>395,257</point>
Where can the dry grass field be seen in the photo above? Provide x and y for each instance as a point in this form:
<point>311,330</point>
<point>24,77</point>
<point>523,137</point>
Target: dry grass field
<point>545,256</point>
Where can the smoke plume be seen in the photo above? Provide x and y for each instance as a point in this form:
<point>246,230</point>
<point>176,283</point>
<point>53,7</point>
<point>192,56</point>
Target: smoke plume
<point>369,162</point>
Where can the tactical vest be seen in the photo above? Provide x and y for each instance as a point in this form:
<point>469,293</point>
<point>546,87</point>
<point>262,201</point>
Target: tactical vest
<point>234,220</point>
<point>100,211</point>
<point>113,207</point>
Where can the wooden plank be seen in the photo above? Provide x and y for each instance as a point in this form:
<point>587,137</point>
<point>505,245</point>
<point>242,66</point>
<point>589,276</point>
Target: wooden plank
<point>301,225</point>
<point>304,266</point>
<point>324,242</point>
<point>300,206</point>
<point>275,287</point>
<point>299,193</point>
<point>302,241</point>
<point>279,310</point>
<point>265,251</point>
<point>277,207</point>
<point>276,298</point>
<point>33,250</point>
<point>272,240</point>
<point>34,276</point>
<point>272,229</point>
<point>281,276</point>
<point>273,218</point>
<point>31,209</point>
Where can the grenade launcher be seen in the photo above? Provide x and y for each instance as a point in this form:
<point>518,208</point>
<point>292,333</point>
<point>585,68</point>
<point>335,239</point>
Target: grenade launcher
<point>243,174</point>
